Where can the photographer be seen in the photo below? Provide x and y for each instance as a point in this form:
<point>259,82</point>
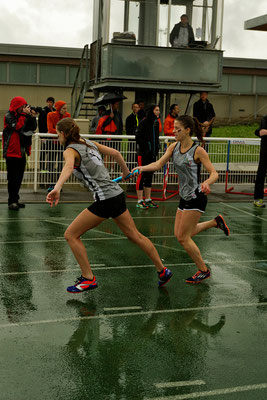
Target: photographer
<point>19,126</point>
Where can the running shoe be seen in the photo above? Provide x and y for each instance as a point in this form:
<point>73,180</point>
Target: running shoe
<point>221,224</point>
<point>142,205</point>
<point>259,203</point>
<point>82,284</point>
<point>151,204</point>
<point>199,276</point>
<point>164,276</point>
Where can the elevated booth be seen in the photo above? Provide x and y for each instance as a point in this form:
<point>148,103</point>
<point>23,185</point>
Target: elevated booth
<point>131,48</point>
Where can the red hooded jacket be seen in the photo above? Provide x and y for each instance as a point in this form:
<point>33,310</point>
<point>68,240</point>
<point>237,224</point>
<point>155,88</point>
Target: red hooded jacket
<point>55,116</point>
<point>15,144</point>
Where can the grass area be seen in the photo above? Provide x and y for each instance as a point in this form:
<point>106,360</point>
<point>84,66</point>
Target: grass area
<point>237,131</point>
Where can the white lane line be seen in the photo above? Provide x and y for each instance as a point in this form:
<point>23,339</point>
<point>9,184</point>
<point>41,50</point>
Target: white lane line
<point>252,269</point>
<point>169,248</point>
<point>179,384</point>
<point>133,314</point>
<point>217,392</point>
<point>119,237</point>
<point>103,267</point>
<point>122,308</point>
<point>206,216</point>
<point>92,230</point>
<point>95,266</point>
<point>55,222</point>
<point>245,212</point>
<point>107,233</point>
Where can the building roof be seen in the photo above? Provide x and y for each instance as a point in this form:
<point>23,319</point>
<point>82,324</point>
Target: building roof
<point>256,24</point>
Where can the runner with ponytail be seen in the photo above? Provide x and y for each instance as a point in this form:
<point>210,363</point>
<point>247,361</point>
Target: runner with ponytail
<point>187,158</point>
<point>83,159</point>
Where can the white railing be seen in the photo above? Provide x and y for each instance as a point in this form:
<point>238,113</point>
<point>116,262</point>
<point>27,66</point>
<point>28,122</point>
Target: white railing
<point>235,159</point>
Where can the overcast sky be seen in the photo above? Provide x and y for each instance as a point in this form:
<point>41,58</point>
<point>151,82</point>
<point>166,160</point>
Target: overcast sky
<point>68,23</point>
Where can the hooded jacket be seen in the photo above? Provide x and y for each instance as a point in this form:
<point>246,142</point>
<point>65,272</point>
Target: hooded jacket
<point>15,143</point>
<point>107,125</point>
<point>55,116</point>
<point>169,125</point>
<point>147,135</point>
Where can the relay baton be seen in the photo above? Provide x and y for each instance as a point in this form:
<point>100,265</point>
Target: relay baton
<point>119,179</point>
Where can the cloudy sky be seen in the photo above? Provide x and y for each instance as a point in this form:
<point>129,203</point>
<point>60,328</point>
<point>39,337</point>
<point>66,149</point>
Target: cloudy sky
<point>68,23</point>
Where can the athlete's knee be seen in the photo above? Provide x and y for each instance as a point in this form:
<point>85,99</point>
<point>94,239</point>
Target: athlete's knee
<point>69,236</point>
<point>182,239</point>
<point>134,235</point>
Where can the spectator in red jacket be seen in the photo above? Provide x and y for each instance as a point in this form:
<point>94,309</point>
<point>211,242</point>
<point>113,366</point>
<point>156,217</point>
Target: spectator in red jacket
<point>55,157</point>
<point>19,126</point>
<point>169,121</point>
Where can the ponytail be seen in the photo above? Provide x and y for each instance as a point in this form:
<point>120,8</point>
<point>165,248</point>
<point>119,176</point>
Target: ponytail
<point>193,124</point>
<point>70,129</point>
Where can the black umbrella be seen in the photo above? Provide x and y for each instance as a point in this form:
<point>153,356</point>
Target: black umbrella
<point>109,98</point>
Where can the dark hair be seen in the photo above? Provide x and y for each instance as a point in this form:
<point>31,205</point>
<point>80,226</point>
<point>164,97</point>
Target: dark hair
<point>184,15</point>
<point>101,108</point>
<point>70,129</point>
<point>172,107</point>
<point>50,99</point>
<point>193,125</point>
<point>135,102</point>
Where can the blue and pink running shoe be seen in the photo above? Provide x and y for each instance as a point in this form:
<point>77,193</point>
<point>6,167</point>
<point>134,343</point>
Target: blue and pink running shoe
<point>82,284</point>
<point>164,276</point>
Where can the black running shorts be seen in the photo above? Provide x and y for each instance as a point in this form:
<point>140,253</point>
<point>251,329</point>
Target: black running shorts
<point>197,204</point>
<point>110,208</point>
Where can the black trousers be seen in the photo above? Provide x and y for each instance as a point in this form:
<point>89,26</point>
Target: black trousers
<point>15,171</point>
<point>260,178</point>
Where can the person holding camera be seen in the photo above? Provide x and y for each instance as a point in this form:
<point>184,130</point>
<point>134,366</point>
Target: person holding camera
<point>55,157</point>
<point>19,126</point>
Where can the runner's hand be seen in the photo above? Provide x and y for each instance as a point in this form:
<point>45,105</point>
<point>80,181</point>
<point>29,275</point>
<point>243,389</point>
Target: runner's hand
<point>52,197</point>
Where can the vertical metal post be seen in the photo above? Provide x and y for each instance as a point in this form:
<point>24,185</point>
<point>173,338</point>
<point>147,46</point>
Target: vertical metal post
<point>204,19</point>
<point>126,16</point>
<point>227,165</point>
<point>158,17</point>
<point>36,145</point>
<point>169,23</point>
<point>214,21</point>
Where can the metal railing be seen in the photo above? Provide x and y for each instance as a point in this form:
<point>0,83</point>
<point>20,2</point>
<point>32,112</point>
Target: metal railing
<point>236,160</point>
<point>80,86</point>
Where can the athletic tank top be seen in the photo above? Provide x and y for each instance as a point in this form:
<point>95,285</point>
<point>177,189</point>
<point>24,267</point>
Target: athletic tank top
<point>92,172</point>
<point>188,171</point>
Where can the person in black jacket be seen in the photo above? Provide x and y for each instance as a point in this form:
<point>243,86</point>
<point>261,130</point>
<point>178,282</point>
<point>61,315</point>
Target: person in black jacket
<point>182,34</point>
<point>147,146</point>
<point>262,167</point>
<point>131,124</point>
<point>42,125</point>
<point>203,111</point>
<point>42,120</point>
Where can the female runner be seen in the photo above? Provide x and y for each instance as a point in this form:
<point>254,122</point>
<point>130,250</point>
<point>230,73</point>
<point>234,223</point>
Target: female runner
<point>83,159</point>
<point>187,159</point>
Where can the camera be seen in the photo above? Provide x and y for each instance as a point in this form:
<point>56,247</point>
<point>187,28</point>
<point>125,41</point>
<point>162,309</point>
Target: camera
<point>36,109</point>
